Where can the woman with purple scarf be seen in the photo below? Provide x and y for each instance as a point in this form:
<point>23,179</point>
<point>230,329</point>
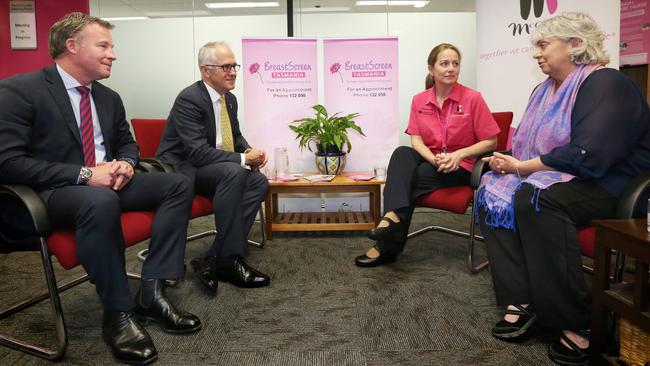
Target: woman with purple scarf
<point>584,135</point>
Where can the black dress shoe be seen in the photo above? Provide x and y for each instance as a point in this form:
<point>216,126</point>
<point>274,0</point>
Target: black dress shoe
<point>205,269</point>
<point>395,231</point>
<point>153,306</point>
<point>240,274</point>
<point>365,261</point>
<point>128,340</point>
<point>511,331</point>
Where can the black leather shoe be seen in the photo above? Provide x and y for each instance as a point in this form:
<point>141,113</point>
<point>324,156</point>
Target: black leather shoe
<point>128,340</point>
<point>205,269</point>
<point>511,331</point>
<point>574,355</point>
<point>153,306</point>
<point>395,231</point>
<point>240,274</point>
<point>365,261</point>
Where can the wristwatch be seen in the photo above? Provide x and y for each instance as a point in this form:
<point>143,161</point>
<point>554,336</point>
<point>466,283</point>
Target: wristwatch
<point>84,175</point>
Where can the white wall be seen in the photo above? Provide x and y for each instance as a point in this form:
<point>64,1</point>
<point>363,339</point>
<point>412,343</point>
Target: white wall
<point>156,59</point>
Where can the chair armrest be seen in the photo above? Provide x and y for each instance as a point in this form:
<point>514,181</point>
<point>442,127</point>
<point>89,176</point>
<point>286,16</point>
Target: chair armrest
<point>630,197</point>
<point>146,167</point>
<point>34,205</point>
<point>156,164</point>
<point>480,168</point>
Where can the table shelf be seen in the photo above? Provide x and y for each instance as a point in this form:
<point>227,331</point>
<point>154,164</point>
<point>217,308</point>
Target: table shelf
<point>322,220</point>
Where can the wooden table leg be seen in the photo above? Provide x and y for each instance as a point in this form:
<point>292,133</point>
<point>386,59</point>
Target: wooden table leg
<point>269,212</point>
<point>600,284</point>
<point>375,204</point>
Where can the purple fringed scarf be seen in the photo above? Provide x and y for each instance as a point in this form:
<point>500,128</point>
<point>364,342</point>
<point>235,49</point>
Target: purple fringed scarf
<point>546,124</point>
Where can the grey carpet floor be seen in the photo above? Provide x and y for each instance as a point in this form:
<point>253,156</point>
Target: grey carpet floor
<point>425,309</point>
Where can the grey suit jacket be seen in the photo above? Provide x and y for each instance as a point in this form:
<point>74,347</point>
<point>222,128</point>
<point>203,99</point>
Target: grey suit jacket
<point>189,140</point>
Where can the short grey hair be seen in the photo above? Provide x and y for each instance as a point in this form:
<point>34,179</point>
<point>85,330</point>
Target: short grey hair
<point>207,52</point>
<point>575,25</point>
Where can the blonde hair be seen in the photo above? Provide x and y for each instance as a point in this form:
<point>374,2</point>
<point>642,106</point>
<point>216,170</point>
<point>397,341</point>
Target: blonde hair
<point>67,27</point>
<point>575,25</point>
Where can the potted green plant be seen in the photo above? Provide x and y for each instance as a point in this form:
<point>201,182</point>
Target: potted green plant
<point>329,135</point>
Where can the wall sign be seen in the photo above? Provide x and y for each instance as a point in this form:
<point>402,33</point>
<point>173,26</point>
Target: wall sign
<point>22,20</point>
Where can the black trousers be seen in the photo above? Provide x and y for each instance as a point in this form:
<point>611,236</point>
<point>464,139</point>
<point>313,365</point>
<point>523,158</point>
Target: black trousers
<point>540,262</point>
<point>94,213</point>
<point>237,193</point>
<point>410,176</point>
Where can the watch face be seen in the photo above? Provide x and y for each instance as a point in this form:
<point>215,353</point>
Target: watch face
<point>86,174</point>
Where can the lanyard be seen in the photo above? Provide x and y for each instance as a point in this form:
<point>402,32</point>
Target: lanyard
<point>445,126</point>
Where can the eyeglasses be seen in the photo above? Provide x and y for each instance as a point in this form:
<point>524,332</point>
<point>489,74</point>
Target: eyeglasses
<point>226,67</point>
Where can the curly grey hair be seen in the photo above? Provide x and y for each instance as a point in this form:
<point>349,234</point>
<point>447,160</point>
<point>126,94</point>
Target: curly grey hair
<point>576,25</point>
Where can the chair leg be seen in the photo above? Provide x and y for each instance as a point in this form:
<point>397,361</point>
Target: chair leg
<point>53,294</point>
<point>474,268</point>
<point>262,230</point>
<point>142,255</point>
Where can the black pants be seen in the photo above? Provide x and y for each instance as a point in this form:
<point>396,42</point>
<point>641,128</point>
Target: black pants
<point>94,213</point>
<point>410,176</point>
<point>237,193</point>
<point>540,262</point>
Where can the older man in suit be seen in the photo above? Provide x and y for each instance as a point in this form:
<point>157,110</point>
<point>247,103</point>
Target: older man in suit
<point>65,135</point>
<point>202,139</point>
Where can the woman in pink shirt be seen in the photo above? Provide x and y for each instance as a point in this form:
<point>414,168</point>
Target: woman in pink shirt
<point>450,125</point>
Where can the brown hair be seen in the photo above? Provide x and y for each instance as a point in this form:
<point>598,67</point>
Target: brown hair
<point>67,27</point>
<point>433,57</point>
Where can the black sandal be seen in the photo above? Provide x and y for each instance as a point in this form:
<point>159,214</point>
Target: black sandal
<point>510,331</point>
<point>573,356</point>
<point>383,258</point>
<point>395,231</point>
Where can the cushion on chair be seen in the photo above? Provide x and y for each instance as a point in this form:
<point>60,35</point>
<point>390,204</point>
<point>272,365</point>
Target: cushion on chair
<point>587,240</point>
<point>201,206</point>
<point>454,199</point>
<point>136,226</point>
<point>148,133</point>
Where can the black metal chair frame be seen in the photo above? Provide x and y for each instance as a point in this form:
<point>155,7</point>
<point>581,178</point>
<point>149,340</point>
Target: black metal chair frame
<point>625,210</point>
<point>43,228</point>
<point>475,179</point>
<point>155,165</point>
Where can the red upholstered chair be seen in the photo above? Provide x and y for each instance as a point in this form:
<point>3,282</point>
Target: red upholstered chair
<point>148,133</point>
<point>628,207</point>
<point>136,226</point>
<point>458,199</point>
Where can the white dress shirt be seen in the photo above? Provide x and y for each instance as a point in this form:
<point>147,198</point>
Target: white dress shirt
<point>215,98</point>
<point>71,84</point>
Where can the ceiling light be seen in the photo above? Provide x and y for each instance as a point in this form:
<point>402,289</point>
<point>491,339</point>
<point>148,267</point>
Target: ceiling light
<point>325,9</point>
<point>171,14</point>
<point>110,19</point>
<point>263,4</point>
<point>415,4</point>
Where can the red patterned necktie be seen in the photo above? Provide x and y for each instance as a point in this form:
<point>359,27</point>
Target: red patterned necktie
<point>86,127</point>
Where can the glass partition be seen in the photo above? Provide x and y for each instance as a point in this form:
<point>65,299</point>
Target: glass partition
<point>157,40</point>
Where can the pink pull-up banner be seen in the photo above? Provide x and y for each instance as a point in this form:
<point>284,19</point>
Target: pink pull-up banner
<point>280,85</point>
<point>361,75</point>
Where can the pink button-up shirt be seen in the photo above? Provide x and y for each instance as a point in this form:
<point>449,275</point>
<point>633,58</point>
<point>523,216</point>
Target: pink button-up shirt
<point>463,120</point>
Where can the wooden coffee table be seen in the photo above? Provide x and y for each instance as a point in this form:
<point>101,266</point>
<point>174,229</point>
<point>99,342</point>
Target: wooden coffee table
<point>323,221</point>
